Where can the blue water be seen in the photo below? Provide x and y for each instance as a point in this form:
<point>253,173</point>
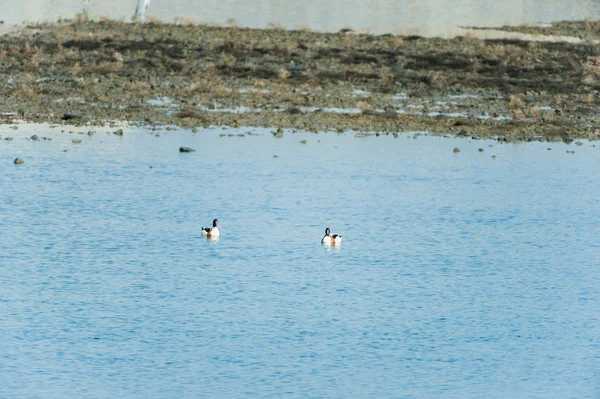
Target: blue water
<point>460,275</point>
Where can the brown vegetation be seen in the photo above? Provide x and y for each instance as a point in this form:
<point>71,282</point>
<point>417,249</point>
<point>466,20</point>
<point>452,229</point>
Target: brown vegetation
<point>119,67</point>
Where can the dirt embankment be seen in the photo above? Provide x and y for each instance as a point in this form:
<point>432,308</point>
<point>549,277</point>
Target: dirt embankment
<point>201,75</point>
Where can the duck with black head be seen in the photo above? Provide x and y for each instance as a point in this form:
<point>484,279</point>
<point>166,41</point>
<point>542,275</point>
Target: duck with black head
<point>211,232</point>
<point>331,239</point>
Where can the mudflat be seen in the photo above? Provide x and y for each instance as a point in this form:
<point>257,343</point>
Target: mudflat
<point>189,75</point>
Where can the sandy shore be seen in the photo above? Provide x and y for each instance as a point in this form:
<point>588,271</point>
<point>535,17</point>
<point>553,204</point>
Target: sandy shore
<point>200,75</point>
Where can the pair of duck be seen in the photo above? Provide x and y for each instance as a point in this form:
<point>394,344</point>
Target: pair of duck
<point>328,239</point>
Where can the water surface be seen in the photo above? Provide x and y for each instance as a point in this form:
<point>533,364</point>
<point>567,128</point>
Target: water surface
<point>460,275</point>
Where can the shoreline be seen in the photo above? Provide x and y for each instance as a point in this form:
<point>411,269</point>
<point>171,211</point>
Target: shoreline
<point>192,76</point>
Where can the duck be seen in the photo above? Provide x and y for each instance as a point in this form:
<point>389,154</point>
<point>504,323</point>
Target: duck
<point>331,239</point>
<point>213,231</point>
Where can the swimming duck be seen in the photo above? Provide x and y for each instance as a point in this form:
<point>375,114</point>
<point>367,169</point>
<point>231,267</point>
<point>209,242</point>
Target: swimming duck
<point>331,239</point>
<point>209,232</point>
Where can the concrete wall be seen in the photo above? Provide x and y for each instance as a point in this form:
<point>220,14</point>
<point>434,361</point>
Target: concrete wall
<point>427,17</point>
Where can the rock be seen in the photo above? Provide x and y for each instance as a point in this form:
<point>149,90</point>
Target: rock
<point>157,135</point>
<point>68,117</point>
<point>303,142</point>
<point>278,133</point>
<point>293,111</point>
<point>456,149</point>
<point>549,149</point>
<point>18,161</point>
<point>480,150</point>
<point>186,149</point>
<point>195,130</point>
<point>35,137</point>
<point>76,141</point>
<point>8,138</point>
<point>119,132</point>
<point>579,143</point>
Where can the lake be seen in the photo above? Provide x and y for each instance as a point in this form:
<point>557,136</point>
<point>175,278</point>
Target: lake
<point>428,17</point>
<point>460,275</point>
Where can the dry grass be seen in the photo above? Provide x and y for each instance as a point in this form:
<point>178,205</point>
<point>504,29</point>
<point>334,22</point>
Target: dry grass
<point>534,112</point>
<point>439,80</point>
<point>187,112</point>
<point>283,74</point>
<point>274,26</point>
<point>560,100</point>
<point>106,67</point>
<point>397,42</point>
<point>81,18</point>
<point>518,114</point>
<point>591,70</point>
<point>208,85</point>
<point>362,105</point>
<point>185,21</point>
<point>153,21</point>
<point>24,91</point>
<point>516,102</point>
<point>386,75</point>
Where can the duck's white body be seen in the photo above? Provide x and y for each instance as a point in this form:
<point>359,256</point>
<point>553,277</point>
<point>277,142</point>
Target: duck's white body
<point>331,239</point>
<point>213,232</point>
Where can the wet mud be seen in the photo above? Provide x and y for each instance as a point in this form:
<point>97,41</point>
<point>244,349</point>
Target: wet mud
<point>80,72</point>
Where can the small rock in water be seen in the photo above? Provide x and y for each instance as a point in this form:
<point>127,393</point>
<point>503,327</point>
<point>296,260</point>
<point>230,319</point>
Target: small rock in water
<point>549,149</point>
<point>186,149</point>
<point>14,127</point>
<point>481,150</point>
<point>76,141</point>
<point>8,138</point>
<point>456,149</point>
<point>18,161</point>
<point>303,142</point>
<point>119,132</point>
<point>157,135</point>
<point>35,137</point>
<point>195,130</point>
<point>278,133</point>
<point>579,143</point>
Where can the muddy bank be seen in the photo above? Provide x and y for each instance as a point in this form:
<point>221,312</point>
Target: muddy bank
<point>201,75</point>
